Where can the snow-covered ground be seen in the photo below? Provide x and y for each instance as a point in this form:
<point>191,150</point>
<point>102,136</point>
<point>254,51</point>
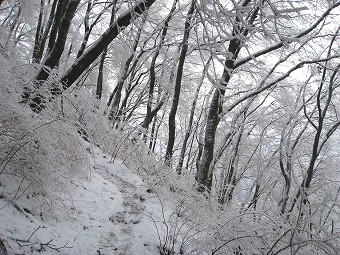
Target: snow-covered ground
<point>112,212</point>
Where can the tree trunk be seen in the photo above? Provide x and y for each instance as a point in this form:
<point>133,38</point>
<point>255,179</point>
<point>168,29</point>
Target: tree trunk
<point>54,56</point>
<point>227,188</point>
<point>116,95</point>
<point>82,63</point>
<point>61,8</point>
<point>87,29</point>
<point>38,56</point>
<point>132,84</point>
<point>89,56</point>
<point>321,135</point>
<point>147,121</point>
<point>99,89</point>
<point>178,83</point>
<point>152,76</point>
<point>204,173</point>
<point>38,34</point>
<point>189,128</point>
<point>153,135</point>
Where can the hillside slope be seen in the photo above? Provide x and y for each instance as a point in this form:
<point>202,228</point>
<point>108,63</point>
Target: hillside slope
<point>112,212</point>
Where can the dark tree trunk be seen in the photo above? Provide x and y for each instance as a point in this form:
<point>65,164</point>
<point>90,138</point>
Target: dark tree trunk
<point>150,114</point>
<point>152,82</point>
<point>178,84</point>
<point>188,131</point>
<point>54,56</point>
<point>61,8</point>
<point>116,95</point>
<point>92,54</point>
<point>204,173</point>
<point>113,99</point>
<point>153,134</point>
<point>325,94</point>
<point>131,85</point>
<point>38,34</point>
<point>89,27</point>
<point>227,190</point>
<point>37,58</point>
<point>99,89</point>
<point>147,121</point>
<point>87,30</point>
<point>253,202</point>
<point>89,56</point>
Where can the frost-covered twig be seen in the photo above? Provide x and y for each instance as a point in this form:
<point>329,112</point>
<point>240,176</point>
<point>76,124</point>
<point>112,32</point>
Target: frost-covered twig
<point>48,244</point>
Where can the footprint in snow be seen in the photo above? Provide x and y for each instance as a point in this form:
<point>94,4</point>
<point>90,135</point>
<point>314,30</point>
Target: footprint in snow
<point>123,221</point>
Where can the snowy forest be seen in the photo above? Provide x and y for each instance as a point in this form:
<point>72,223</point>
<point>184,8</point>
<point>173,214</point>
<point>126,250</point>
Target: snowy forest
<point>214,123</point>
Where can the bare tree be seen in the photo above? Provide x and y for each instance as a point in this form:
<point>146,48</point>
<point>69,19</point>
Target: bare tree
<point>86,59</point>
<point>204,173</point>
<point>183,52</point>
<point>42,33</point>
<point>242,24</point>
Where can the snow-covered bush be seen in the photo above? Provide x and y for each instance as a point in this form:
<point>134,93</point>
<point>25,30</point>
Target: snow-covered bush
<point>39,153</point>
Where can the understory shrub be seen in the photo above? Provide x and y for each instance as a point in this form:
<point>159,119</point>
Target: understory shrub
<point>39,153</point>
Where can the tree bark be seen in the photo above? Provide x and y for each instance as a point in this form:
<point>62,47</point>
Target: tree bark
<point>189,128</point>
<point>38,55</point>
<point>38,34</point>
<point>54,56</point>
<point>100,77</point>
<point>230,180</point>
<point>61,8</point>
<point>87,29</point>
<point>150,114</point>
<point>178,83</point>
<point>204,173</point>
<point>116,95</point>
<point>82,63</point>
<point>99,89</point>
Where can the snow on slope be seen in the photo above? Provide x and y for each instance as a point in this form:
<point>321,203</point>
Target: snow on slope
<point>110,214</point>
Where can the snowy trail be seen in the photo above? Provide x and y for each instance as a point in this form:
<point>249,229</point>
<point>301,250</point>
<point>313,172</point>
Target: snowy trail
<point>124,221</point>
<point>109,215</point>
